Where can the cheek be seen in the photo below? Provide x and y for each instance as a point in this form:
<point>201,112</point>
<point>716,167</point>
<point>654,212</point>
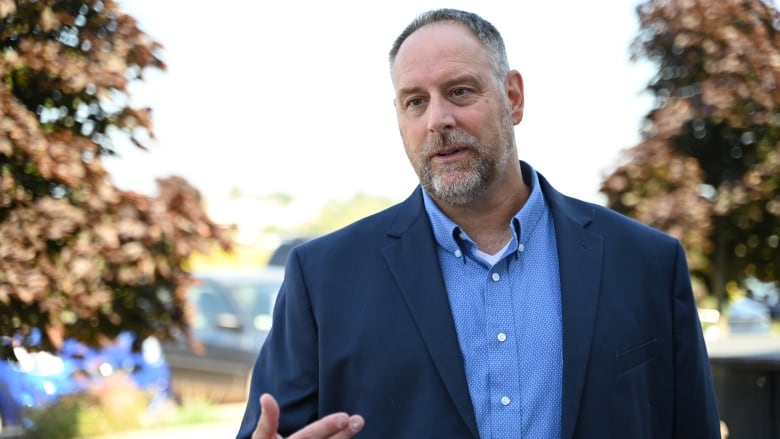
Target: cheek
<point>412,150</point>
<point>413,135</point>
<point>475,122</point>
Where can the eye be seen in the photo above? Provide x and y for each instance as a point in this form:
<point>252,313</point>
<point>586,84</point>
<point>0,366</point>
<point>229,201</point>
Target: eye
<point>414,102</point>
<point>458,92</point>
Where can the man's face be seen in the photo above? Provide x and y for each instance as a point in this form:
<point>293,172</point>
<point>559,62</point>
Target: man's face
<point>456,119</point>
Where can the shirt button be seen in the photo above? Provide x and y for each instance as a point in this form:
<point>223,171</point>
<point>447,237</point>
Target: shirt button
<point>520,247</point>
<point>495,277</point>
<point>458,253</point>
<point>505,400</point>
<point>462,236</point>
<point>501,336</point>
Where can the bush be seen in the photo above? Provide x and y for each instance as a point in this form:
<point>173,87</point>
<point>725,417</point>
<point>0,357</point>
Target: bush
<point>57,421</point>
<point>119,406</point>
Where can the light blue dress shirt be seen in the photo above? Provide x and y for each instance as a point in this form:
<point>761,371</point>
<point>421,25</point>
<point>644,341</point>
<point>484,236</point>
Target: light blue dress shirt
<point>508,321</point>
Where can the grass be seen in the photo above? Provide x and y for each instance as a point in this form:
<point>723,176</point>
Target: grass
<point>112,410</point>
<point>198,411</point>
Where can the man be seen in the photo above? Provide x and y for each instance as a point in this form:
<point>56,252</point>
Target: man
<point>486,305</point>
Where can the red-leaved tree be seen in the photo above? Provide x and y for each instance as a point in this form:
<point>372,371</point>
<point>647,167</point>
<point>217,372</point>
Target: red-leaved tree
<point>79,257</point>
<point>708,167</point>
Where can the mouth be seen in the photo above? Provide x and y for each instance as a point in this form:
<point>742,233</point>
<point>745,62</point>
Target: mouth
<point>449,152</point>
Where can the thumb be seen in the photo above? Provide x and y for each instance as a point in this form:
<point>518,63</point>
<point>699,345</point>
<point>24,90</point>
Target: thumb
<point>268,424</point>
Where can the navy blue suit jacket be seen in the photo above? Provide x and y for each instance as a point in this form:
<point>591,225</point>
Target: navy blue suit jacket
<point>363,325</point>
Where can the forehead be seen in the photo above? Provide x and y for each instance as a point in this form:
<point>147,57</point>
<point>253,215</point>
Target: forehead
<point>439,48</point>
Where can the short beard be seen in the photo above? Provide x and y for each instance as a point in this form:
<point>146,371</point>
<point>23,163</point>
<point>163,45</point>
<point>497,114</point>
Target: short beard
<point>463,182</point>
<point>455,183</point>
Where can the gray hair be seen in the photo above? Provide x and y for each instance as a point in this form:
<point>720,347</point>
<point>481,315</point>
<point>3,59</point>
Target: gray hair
<point>485,32</point>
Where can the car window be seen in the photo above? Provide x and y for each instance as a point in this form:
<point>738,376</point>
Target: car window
<point>209,302</point>
<point>259,298</point>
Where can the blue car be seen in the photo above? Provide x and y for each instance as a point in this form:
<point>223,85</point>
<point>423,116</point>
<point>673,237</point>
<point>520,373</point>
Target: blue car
<point>38,379</point>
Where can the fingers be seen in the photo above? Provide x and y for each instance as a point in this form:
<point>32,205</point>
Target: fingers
<point>354,425</point>
<point>334,426</point>
<point>269,419</point>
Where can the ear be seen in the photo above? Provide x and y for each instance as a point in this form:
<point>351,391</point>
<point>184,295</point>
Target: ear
<point>514,90</point>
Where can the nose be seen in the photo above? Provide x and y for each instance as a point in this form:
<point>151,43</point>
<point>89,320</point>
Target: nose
<point>440,115</point>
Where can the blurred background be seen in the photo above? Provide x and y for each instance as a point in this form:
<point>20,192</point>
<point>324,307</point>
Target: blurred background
<point>156,268</point>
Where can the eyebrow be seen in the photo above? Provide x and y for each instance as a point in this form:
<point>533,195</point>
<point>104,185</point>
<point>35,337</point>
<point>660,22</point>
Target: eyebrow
<point>466,78</point>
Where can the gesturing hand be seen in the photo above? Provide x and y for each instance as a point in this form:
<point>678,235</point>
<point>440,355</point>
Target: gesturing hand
<point>333,426</point>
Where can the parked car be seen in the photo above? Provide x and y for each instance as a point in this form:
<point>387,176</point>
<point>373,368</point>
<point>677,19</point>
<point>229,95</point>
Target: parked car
<point>36,379</point>
<point>232,318</point>
<point>767,293</point>
<point>279,256</point>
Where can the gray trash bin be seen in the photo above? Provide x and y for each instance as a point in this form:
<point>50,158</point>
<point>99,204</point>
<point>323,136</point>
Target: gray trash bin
<point>746,373</point>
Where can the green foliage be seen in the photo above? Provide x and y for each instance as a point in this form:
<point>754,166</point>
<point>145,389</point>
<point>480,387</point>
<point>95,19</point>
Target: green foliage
<point>59,421</point>
<point>194,411</point>
<point>108,411</point>
<point>339,213</point>
<point>120,407</point>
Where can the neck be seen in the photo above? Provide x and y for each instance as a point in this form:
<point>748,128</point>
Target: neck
<point>487,219</point>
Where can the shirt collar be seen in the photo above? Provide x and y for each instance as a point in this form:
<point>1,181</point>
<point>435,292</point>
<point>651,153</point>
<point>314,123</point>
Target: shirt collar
<point>450,237</point>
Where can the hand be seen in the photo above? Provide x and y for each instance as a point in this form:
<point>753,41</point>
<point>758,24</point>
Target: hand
<point>333,426</point>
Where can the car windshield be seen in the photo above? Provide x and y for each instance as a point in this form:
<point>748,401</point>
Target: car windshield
<point>258,297</point>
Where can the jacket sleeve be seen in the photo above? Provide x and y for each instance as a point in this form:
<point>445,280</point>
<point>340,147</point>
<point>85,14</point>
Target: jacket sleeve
<point>695,410</point>
<point>287,364</point>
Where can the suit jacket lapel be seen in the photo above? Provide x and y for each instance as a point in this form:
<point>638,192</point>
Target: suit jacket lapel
<point>414,262</point>
<point>580,254</point>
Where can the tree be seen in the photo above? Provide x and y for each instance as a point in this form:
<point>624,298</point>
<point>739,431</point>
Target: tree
<point>708,167</point>
<point>79,257</point>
